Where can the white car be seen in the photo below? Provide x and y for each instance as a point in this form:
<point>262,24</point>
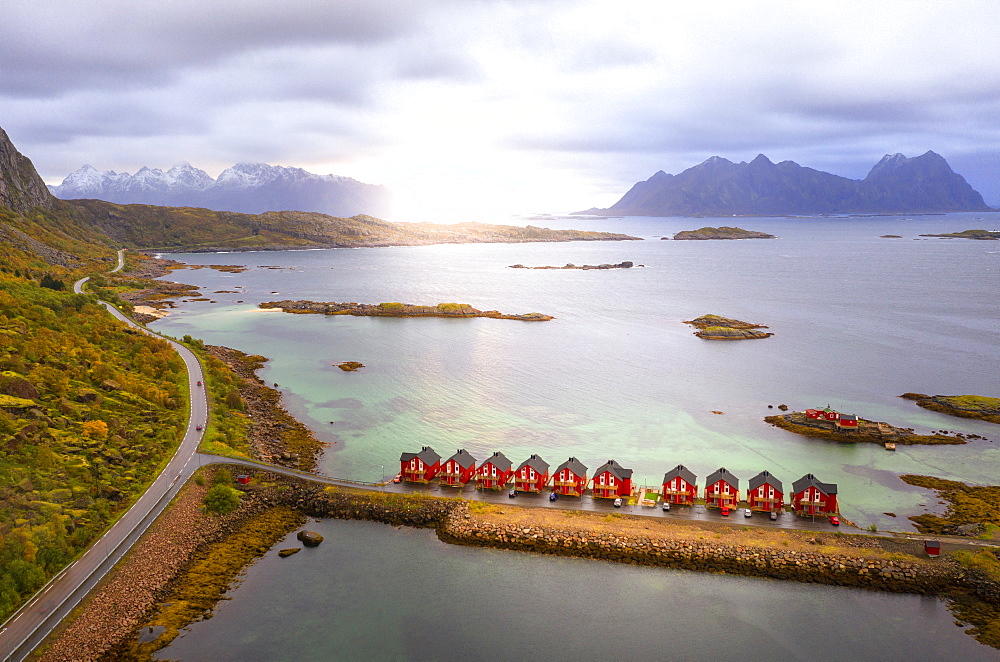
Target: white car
<point>747,513</point>
<point>618,502</point>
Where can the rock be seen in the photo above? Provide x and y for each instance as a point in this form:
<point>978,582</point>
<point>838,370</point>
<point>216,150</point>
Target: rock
<point>285,553</point>
<point>350,366</point>
<point>110,385</point>
<point>783,407</point>
<point>309,538</point>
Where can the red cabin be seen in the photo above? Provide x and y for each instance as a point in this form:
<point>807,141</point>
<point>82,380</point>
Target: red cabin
<point>814,413</point>
<point>765,493</point>
<point>722,489</point>
<point>849,421</point>
<point>532,475</point>
<point>494,473</point>
<point>570,479</point>
<point>680,486</point>
<point>458,469</point>
<point>812,497</point>
<point>611,481</point>
<point>830,414</point>
<point>420,467</point>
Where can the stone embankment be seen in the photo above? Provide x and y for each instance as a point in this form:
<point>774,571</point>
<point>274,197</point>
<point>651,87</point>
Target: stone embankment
<point>841,569</point>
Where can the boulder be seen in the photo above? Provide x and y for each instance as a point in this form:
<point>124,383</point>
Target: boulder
<point>284,553</point>
<point>309,538</point>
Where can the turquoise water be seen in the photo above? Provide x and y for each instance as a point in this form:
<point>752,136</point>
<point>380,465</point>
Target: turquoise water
<point>857,320</point>
<point>371,592</point>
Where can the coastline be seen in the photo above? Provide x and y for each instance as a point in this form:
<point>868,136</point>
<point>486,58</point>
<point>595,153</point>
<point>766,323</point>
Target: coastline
<point>183,536</point>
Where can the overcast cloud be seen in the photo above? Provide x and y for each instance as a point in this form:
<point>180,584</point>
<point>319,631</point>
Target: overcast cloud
<point>472,110</point>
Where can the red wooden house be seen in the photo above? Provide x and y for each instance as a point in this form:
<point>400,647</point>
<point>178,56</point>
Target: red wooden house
<point>765,493</point>
<point>458,469</point>
<point>570,479</point>
<point>611,480</point>
<point>680,486</point>
<point>494,473</point>
<point>532,475</point>
<point>848,421</point>
<point>420,467</point>
<point>826,413</point>
<point>812,497</point>
<point>722,489</point>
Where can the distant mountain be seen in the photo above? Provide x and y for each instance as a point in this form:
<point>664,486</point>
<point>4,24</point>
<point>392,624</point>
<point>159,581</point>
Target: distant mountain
<point>251,188</point>
<point>719,187</point>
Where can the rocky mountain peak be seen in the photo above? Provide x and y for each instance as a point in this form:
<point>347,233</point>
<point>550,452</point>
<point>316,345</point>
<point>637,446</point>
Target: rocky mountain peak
<point>21,189</point>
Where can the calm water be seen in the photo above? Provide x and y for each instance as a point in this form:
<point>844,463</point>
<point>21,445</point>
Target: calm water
<point>857,321</point>
<point>371,592</point>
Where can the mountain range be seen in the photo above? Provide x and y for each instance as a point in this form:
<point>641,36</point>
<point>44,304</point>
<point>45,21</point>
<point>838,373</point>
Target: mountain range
<point>719,187</point>
<point>251,188</point>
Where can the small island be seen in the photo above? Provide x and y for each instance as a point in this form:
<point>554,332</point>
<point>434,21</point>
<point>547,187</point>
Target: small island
<point>724,232</point>
<point>834,426</point>
<point>396,310</point>
<point>350,366</point>
<point>716,327</point>
<point>621,265</point>
<point>978,407</point>
<point>987,235</point>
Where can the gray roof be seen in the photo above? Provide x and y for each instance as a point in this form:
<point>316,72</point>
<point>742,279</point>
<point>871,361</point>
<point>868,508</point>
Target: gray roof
<point>574,465</point>
<point>536,463</point>
<point>499,460</point>
<point>426,454</point>
<point>723,474</point>
<point>811,481</point>
<point>616,470</point>
<point>765,477</point>
<point>683,472</point>
<point>464,458</point>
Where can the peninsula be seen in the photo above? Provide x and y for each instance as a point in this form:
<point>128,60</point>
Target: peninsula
<point>716,327</point>
<point>395,309</point>
<point>858,430</point>
<point>723,232</point>
<point>978,407</point>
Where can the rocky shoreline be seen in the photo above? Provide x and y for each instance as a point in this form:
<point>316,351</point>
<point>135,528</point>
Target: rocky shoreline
<point>976,407</point>
<point>112,619</point>
<point>457,310</point>
<point>873,432</point>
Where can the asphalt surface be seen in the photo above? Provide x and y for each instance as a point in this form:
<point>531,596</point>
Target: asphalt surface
<point>32,623</point>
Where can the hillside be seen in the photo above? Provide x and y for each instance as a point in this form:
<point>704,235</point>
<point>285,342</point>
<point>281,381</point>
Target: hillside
<point>719,187</point>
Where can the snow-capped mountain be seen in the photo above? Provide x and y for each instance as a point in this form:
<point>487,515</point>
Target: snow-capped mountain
<point>245,187</point>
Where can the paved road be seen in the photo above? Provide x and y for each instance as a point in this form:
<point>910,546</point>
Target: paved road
<point>30,625</point>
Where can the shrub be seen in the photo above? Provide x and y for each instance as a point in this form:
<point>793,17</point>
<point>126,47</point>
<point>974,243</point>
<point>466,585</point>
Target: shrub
<point>222,499</point>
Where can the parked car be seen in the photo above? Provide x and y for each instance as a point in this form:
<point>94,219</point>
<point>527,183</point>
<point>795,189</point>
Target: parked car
<point>774,516</point>
<point>724,511</point>
<point>747,512</point>
<point>835,520</point>
<point>512,494</point>
<point>397,478</point>
<point>618,502</point>
<point>553,496</point>
<point>666,507</point>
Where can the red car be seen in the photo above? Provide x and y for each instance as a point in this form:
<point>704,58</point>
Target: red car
<point>724,511</point>
<point>198,428</point>
<point>199,383</point>
<point>835,520</point>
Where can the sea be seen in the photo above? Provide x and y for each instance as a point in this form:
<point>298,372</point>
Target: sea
<point>857,318</point>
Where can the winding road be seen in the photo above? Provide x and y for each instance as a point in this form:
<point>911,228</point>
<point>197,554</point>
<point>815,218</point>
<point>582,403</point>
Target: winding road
<point>32,623</point>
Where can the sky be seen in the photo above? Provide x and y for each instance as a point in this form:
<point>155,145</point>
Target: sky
<point>477,109</point>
